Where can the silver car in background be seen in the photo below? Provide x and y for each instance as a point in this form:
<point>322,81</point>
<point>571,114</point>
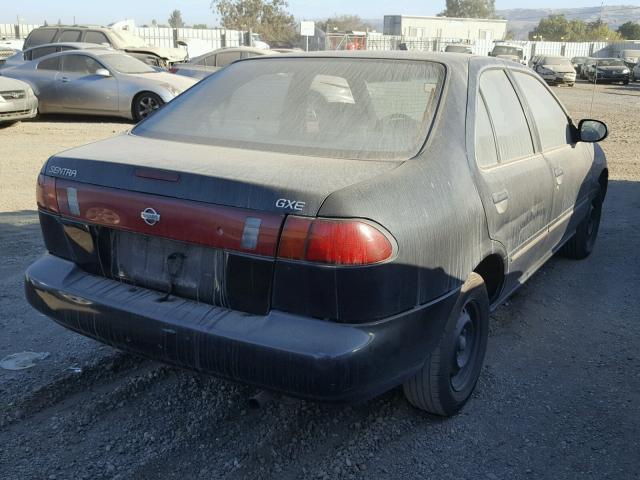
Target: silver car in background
<point>17,101</point>
<point>35,53</point>
<point>556,70</point>
<point>204,65</point>
<point>98,82</point>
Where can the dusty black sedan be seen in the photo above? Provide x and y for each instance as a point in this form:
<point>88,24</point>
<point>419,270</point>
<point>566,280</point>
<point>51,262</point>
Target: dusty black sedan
<point>329,226</point>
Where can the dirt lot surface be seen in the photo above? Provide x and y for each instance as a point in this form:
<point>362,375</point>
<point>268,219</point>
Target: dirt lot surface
<point>559,396</point>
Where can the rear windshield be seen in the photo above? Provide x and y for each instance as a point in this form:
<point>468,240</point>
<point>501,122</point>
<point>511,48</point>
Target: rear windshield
<point>334,107</point>
<point>457,49</point>
<point>503,50</point>
<point>556,61</point>
<point>126,64</point>
<point>39,36</point>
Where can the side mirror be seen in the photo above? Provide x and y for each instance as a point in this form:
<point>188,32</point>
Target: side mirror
<point>592,131</point>
<point>103,72</point>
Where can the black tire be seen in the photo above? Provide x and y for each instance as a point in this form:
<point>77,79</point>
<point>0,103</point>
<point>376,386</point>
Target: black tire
<point>8,124</point>
<point>445,382</point>
<point>581,244</point>
<point>626,82</point>
<point>144,104</point>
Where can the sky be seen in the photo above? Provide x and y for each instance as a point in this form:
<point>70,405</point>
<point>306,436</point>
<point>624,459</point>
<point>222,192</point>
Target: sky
<point>198,11</point>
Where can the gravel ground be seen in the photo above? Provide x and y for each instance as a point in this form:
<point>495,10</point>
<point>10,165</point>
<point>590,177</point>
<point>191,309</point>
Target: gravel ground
<point>559,396</point>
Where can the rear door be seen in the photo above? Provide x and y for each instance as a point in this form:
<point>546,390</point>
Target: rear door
<point>514,179</point>
<point>45,84</point>
<point>570,162</point>
<point>80,89</point>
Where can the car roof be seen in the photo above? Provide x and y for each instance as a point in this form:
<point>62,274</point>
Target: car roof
<point>449,58</point>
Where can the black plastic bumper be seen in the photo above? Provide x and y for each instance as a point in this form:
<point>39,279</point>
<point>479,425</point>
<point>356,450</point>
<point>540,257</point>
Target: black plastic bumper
<point>296,355</point>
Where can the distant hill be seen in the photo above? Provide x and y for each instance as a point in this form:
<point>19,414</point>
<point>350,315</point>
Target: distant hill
<point>523,20</point>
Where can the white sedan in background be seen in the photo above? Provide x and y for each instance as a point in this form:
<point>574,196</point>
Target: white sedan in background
<point>17,101</point>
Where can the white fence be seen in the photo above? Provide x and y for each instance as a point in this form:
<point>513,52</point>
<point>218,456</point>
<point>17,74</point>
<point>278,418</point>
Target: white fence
<point>216,38</point>
<point>156,36</point>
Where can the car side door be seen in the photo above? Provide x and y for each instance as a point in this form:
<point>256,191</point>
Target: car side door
<point>81,89</point>
<point>43,80</point>
<point>571,162</point>
<point>513,178</point>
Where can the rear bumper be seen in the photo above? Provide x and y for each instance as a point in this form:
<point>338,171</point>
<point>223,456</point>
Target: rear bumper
<point>300,356</point>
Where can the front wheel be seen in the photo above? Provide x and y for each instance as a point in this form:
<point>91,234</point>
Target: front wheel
<point>446,380</point>
<point>144,104</point>
<point>581,244</point>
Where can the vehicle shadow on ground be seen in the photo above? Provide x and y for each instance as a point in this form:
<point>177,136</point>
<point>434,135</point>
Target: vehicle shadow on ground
<point>64,118</point>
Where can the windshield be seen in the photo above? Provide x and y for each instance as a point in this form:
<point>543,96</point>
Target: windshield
<point>556,61</point>
<point>129,39</point>
<point>504,50</point>
<point>333,107</point>
<point>610,62</point>
<point>125,64</point>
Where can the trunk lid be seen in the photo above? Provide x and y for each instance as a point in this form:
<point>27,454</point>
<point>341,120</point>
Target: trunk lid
<point>247,179</point>
<point>191,221</point>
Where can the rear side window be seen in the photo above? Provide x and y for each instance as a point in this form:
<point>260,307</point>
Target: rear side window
<point>550,119</point>
<point>40,36</point>
<point>486,151</point>
<point>507,115</point>
<point>80,64</point>
<point>208,61</point>
<point>96,37</point>
<point>70,36</point>
<point>225,58</point>
<point>41,52</point>
<point>50,64</point>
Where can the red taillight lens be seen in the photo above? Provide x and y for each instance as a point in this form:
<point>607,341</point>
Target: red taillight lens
<point>46,193</point>
<point>336,242</point>
<point>173,70</point>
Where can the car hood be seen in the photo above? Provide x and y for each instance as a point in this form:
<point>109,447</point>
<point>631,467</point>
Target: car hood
<point>233,177</point>
<point>560,68</point>
<point>7,83</point>
<point>176,81</point>
<point>171,54</point>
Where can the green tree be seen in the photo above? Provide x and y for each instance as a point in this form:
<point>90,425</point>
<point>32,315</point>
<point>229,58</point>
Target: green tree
<point>269,18</point>
<point>630,31</point>
<point>175,20</point>
<point>200,26</point>
<point>556,28</point>
<point>154,23</point>
<point>470,9</point>
<point>344,23</point>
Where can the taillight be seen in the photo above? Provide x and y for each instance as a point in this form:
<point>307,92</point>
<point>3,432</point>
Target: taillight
<point>46,193</point>
<point>173,70</point>
<point>332,241</point>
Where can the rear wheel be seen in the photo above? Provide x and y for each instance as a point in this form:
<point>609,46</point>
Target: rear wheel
<point>144,104</point>
<point>581,244</point>
<point>449,375</point>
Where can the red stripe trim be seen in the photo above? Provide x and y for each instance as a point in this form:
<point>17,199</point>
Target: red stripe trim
<point>194,222</point>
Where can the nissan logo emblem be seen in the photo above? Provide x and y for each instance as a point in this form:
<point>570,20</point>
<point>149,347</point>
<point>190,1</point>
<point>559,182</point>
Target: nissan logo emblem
<point>150,216</point>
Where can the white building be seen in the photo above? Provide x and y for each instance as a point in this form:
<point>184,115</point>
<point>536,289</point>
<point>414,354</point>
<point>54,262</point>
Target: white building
<point>445,27</point>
